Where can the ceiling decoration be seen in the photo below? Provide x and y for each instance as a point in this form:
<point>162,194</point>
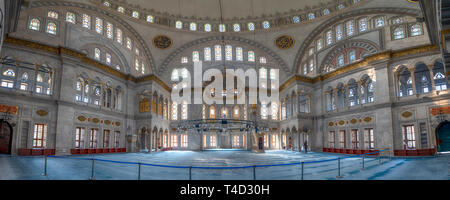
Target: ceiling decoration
<point>284,42</point>
<point>162,42</point>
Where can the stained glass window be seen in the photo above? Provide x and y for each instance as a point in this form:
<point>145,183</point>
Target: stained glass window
<point>174,76</point>
<point>135,14</point>
<point>340,60</point>
<point>296,19</point>
<point>266,24</point>
<point>184,59</point>
<point>251,56</point>
<point>129,43</point>
<point>239,54</point>
<point>70,17</point>
<point>319,44</point>
<point>236,27</point>
<point>193,26</point>
<point>311,65</point>
<point>136,64</point>
<point>218,52</point>
<point>251,26</point>
<point>34,24</point>
<point>143,67</point>
<point>109,30</point>
<point>107,4</point>
<point>274,111</point>
<point>273,74</point>
<point>108,58</point>
<point>350,25</point>
<point>379,22</point>
<point>52,14</point>
<point>137,51</point>
<point>150,18</point>
<point>341,6</point>
<point>351,56</point>
<point>24,76</point>
<point>222,28</point>
<point>51,28</point>
<point>86,21</point>
<point>178,24</point>
<point>439,75</point>
<point>305,71</point>
<point>329,37</point>
<point>311,16</point>
<point>263,73</point>
<point>9,72</point>
<point>195,56</point>
<point>399,33</point>
<point>262,60</point>
<point>184,73</point>
<point>121,9</point>
<point>228,52</point>
<point>416,30</point>
<point>397,21</point>
<point>119,36</point>
<point>99,25</point>
<point>207,53</point>
<point>208,27</point>
<point>39,78</point>
<point>339,32</point>
<point>363,25</point>
<point>311,51</point>
<point>326,11</point>
<point>97,53</point>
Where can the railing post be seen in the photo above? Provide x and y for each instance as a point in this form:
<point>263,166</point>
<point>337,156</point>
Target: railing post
<point>45,166</point>
<point>254,172</point>
<point>92,171</point>
<point>139,172</point>
<point>303,167</point>
<point>339,168</point>
<point>190,173</point>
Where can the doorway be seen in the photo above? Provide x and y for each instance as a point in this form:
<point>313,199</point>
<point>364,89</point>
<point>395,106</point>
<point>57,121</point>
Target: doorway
<point>6,133</point>
<point>443,137</point>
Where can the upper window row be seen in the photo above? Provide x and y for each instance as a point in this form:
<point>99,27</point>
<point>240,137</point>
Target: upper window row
<point>228,53</point>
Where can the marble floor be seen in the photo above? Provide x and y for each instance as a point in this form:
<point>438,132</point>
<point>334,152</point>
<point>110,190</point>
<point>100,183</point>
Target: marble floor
<point>174,165</point>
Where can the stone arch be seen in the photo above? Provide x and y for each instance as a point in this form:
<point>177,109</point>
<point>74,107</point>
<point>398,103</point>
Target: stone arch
<point>354,13</point>
<point>128,27</point>
<point>257,45</point>
<point>94,41</point>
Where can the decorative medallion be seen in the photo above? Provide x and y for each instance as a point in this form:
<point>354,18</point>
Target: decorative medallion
<point>330,124</point>
<point>107,122</point>
<point>407,114</point>
<point>284,42</point>
<point>117,123</point>
<point>95,120</point>
<point>42,113</point>
<point>341,122</point>
<point>368,119</point>
<point>162,42</point>
<point>353,121</point>
<point>81,118</point>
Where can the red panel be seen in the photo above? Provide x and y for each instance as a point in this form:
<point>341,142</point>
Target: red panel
<point>75,151</point>
<point>124,149</point>
<point>99,151</point>
<point>91,151</point>
<point>113,150</point>
<point>105,150</point>
<point>84,151</point>
<point>24,152</point>
<point>49,151</point>
<point>37,152</point>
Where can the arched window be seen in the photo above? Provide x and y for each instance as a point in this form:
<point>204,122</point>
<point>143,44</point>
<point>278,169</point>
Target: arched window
<point>51,28</point>
<point>195,56</point>
<point>39,78</point>
<point>263,110</point>
<point>70,17</point>
<point>274,110</point>
<point>363,25</point>
<point>184,73</point>
<point>340,60</point>
<point>86,22</point>
<point>34,24</point>
<point>222,28</point>
<point>97,53</point>
<point>399,33</point>
<point>311,65</point>
<point>174,76</point>
<point>99,25</point>
<point>120,9</point>
<point>339,32</point>
<point>329,37</point>
<point>108,59</point>
<point>184,59</point>
<point>440,82</point>
<point>273,74</point>
<point>236,112</point>
<point>228,52</point>
<point>353,93</point>
<point>305,69</point>
<point>350,26</point>
<point>178,24</point>
<point>25,76</point>
<point>129,43</point>
<point>218,52</point>
<point>251,56</point>
<point>326,11</point>
<point>236,27</point>
<point>369,91</point>
<point>184,111</point>
<point>224,113</point>
<point>207,27</point>
<point>136,64</point>
<point>251,26</point>
<point>311,16</point>
<point>405,83</point>
<point>319,44</point>
<point>397,20</point>
<point>135,14</point>
<point>52,14</point>
<point>150,18</point>
<point>379,22</point>
<point>341,6</point>
<point>304,103</point>
<point>109,30</point>
<point>422,79</point>
<point>174,111</point>
<point>415,30</point>
<point>296,19</point>
<point>119,36</point>
<point>9,72</point>
<point>207,54</point>
<point>193,26</point>
<point>262,60</point>
<point>352,56</point>
<point>266,24</point>
<point>262,73</point>
<point>341,96</point>
<point>239,54</point>
<point>212,112</point>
